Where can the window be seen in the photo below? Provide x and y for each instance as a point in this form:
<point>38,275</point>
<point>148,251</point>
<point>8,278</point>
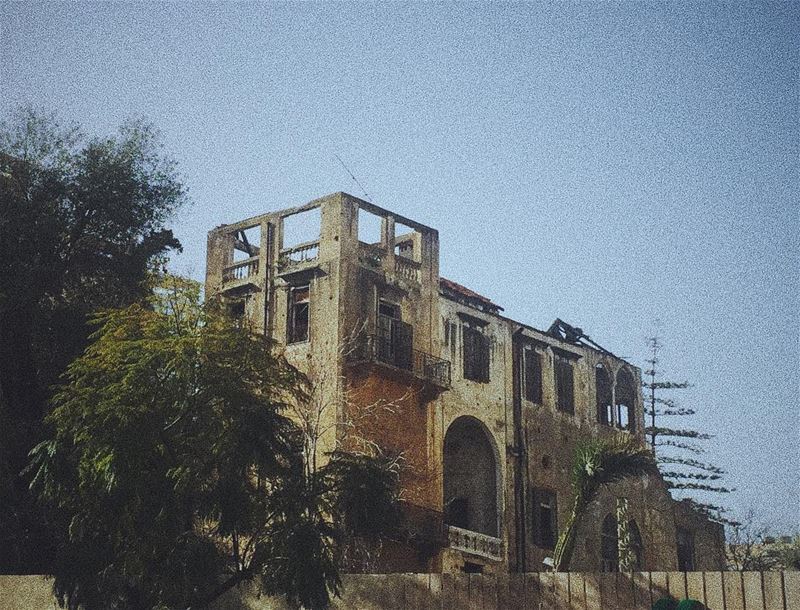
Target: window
<point>395,338</point>
<point>685,550</point>
<point>625,394</point>
<point>533,376</point>
<point>565,392</point>
<point>609,545</point>
<point>545,518</point>
<point>602,384</point>
<point>297,330</point>
<point>476,355</point>
<point>236,310</point>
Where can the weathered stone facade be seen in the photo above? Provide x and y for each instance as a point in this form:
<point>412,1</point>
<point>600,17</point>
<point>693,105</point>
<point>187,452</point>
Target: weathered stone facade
<point>486,411</point>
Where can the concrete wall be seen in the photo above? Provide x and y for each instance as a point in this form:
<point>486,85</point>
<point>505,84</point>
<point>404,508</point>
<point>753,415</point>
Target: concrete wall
<point>532,591</point>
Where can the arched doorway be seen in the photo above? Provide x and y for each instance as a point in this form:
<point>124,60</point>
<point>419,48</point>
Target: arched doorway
<point>470,477</point>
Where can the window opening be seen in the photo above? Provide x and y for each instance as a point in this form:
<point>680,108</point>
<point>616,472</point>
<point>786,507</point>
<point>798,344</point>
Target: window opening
<point>545,515</point>
<point>685,543</point>
<point>609,545</point>
<point>246,243</point>
<point>533,376</point>
<point>405,240</point>
<point>395,338</point>
<point>370,227</point>
<point>603,392</point>
<point>472,568</point>
<point>625,395</point>
<point>299,300</point>
<point>565,391</point>
<point>301,228</point>
<point>470,480</point>
<point>236,310</point>
<point>476,355</point>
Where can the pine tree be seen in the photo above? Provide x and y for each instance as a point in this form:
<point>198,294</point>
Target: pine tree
<point>677,448</point>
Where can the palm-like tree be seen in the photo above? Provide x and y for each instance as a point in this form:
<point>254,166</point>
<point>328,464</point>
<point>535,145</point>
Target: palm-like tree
<point>599,462</point>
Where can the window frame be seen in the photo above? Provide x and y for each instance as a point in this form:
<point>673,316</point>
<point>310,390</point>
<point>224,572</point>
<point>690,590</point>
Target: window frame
<point>292,337</point>
<point>538,496</point>
<point>532,375</point>
<point>476,359</point>
<point>561,364</point>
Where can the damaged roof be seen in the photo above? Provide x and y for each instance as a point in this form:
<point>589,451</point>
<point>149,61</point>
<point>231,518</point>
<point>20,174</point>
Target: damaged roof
<point>470,296</point>
<point>558,329</point>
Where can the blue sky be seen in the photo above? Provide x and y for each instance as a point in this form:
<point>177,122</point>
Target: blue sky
<point>627,167</point>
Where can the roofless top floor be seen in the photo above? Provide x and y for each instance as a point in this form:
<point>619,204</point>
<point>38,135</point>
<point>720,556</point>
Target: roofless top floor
<point>330,227</point>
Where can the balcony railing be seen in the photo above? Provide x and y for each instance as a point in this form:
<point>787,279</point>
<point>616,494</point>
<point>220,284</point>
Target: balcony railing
<point>299,255</point>
<point>374,348</point>
<point>474,543</point>
<point>242,270</point>
<point>407,268</point>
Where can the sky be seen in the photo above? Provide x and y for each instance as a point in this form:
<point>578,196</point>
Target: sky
<point>631,168</point>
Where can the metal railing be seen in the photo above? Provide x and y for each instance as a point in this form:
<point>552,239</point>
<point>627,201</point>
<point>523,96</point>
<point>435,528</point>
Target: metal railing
<point>374,348</point>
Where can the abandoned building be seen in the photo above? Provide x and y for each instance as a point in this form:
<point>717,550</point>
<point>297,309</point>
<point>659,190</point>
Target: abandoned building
<point>485,410</point>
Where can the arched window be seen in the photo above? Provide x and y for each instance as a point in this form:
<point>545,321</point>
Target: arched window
<point>470,477</point>
<point>626,396</point>
<point>609,545</point>
<point>637,548</point>
<point>602,383</point>
<point>685,545</point>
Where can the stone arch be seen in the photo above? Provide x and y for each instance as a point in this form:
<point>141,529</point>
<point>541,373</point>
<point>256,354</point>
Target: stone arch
<point>604,397</point>
<point>471,478</point>
<point>625,398</point>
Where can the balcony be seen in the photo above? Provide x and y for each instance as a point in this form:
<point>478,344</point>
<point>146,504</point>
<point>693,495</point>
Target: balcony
<point>298,257</point>
<point>407,268</point>
<point>383,350</point>
<point>243,274</point>
<point>474,543</point>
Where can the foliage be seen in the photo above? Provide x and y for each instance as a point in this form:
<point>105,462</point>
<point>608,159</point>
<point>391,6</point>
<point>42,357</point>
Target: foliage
<point>674,446</point>
<point>751,549</point>
<point>598,462</point>
<point>81,222</point>
<point>178,475</point>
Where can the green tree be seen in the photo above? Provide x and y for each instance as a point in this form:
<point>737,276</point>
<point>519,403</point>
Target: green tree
<point>675,447</point>
<point>81,221</point>
<point>598,462</point>
<point>176,473</point>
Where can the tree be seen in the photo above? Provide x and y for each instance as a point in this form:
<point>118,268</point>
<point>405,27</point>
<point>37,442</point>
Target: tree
<point>81,221</point>
<point>598,462</point>
<point>177,474</point>
<point>674,446</point>
<point>750,548</point>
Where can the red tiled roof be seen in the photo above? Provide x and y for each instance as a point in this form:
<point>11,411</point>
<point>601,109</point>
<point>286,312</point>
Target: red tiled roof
<point>466,292</point>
